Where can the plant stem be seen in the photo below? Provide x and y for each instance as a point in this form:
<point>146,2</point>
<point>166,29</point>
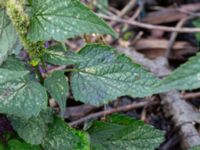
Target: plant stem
<point>39,74</point>
<point>20,19</point>
<point>43,65</point>
<point>64,46</point>
<point>111,111</point>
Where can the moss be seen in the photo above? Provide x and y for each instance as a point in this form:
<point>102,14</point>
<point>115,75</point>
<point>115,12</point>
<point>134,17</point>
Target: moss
<point>2,3</point>
<point>15,9</point>
<point>19,18</point>
<point>37,52</point>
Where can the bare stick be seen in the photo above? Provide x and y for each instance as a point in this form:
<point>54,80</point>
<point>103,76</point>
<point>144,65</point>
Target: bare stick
<point>191,95</point>
<point>138,11</point>
<point>173,36</point>
<point>184,117</point>
<point>126,9</point>
<point>110,111</point>
<point>136,14</point>
<point>150,26</point>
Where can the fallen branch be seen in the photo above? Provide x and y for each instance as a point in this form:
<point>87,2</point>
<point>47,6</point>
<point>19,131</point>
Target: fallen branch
<point>76,112</point>
<point>111,111</point>
<point>191,95</point>
<point>150,26</point>
<point>184,117</point>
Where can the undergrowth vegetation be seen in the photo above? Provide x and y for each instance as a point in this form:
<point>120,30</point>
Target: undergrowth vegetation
<point>96,75</point>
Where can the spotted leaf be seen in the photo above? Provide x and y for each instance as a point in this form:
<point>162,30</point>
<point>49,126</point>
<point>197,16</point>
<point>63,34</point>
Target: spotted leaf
<point>185,77</point>
<point>14,64</point>
<point>34,129</point>
<point>8,75</point>
<point>8,37</point>
<point>57,56</point>
<point>105,75</point>
<point>62,19</point>
<point>19,95</point>
<point>122,132</point>
<point>62,137</point>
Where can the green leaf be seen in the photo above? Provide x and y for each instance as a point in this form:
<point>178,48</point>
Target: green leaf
<point>17,145</point>
<point>2,146</point>
<point>57,56</point>
<point>122,132</point>
<point>104,76</point>
<point>57,85</point>
<point>62,19</point>
<point>8,75</point>
<point>8,36</point>
<point>22,98</point>
<point>195,148</point>
<point>33,130</point>
<point>14,64</point>
<point>102,5</point>
<point>187,76</point>
<point>62,137</point>
<point>19,94</point>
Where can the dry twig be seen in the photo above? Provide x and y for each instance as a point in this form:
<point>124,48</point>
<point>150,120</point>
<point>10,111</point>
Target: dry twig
<point>174,35</point>
<point>111,111</point>
<point>126,9</point>
<point>150,26</point>
<point>191,95</point>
